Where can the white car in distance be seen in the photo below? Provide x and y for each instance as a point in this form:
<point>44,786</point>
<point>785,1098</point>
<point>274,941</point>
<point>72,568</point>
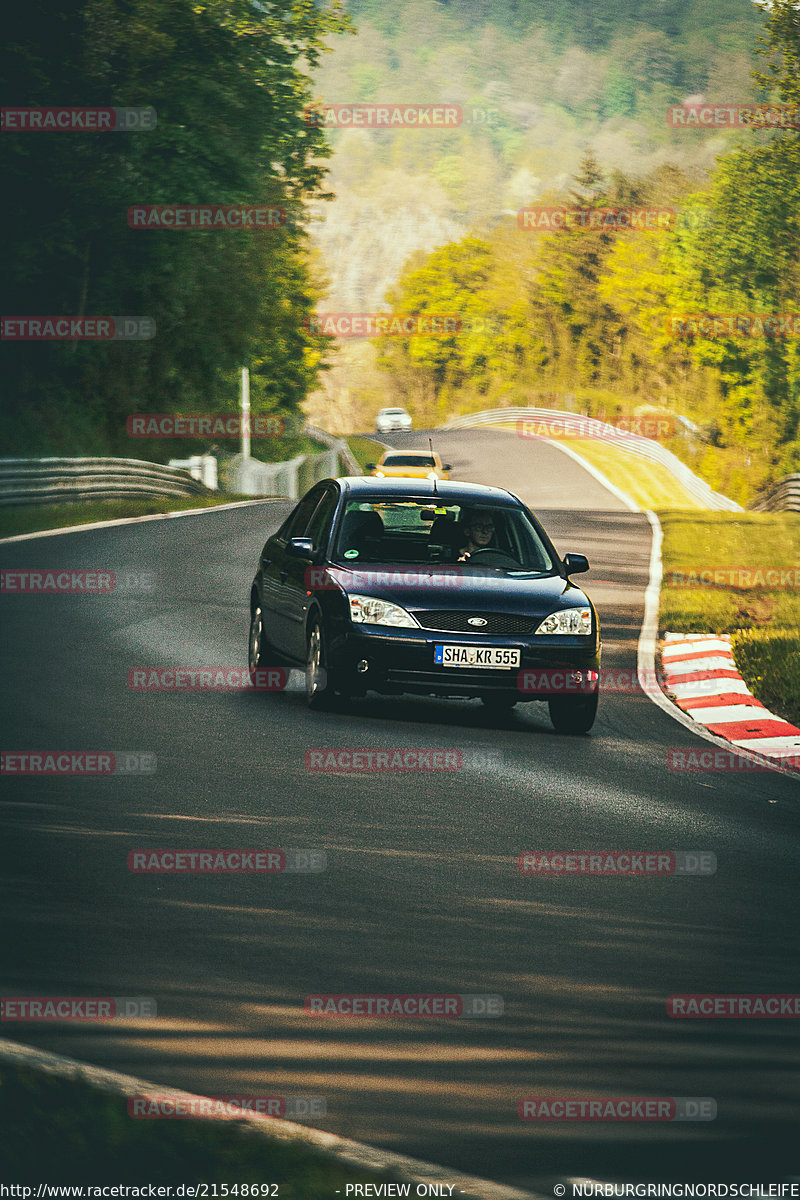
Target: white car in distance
<point>389,419</point>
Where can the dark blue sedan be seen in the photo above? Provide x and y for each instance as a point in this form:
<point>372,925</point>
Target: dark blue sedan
<point>426,587</point>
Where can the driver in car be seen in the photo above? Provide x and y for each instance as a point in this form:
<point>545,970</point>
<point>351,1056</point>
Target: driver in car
<point>478,529</point>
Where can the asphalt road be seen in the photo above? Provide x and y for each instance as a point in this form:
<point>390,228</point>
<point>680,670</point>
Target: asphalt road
<point>422,891</point>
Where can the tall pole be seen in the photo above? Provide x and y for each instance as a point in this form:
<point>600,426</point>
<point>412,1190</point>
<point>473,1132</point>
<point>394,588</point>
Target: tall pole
<point>244,406</point>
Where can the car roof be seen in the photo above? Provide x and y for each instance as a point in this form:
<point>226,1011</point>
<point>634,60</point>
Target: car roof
<point>456,493</point>
<point>414,453</point>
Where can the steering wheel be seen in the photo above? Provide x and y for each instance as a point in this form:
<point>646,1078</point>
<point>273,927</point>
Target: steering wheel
<point>493,553</point>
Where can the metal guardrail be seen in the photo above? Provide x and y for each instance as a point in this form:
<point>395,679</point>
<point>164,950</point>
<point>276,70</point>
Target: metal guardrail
<point>783,496</point>
<point>349,460</point>
<point>53,480</point>
<point>574,425</point>
<point>199,466</point>
<point>57,480</point>
<point>291,479</point>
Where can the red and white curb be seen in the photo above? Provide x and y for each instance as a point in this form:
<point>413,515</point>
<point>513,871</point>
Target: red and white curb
<point>700,674</point>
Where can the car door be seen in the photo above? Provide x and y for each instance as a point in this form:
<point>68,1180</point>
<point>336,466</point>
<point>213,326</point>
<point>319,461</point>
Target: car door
<point>296,583</point>
<point>275,565</point>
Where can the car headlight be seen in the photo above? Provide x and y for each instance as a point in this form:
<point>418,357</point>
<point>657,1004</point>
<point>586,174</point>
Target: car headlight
<point>569,620</point>
<point>369,610</point>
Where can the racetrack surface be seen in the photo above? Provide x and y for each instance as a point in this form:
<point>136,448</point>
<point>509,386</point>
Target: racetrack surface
<point>422,891</point>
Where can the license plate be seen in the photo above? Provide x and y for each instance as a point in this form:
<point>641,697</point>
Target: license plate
<point>475,656</point>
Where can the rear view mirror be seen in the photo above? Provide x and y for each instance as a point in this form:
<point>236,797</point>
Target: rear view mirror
<point>575,563</point>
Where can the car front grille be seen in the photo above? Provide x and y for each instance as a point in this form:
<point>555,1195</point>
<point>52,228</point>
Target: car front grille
<point>457,621</point>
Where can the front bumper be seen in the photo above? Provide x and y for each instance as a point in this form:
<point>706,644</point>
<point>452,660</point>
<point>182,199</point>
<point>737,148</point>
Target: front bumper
<point>401,660</point>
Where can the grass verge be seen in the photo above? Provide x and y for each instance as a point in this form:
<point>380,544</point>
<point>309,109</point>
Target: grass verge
<point>62,1131</point>
<point>739,573</point>
<point>649,484</point>
<point>768,659</point>
<point>34,518</point>
<point>718,567</point>
<point>365,450</point>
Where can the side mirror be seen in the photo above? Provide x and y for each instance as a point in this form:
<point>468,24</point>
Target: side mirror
<point>300,548</point>
<point>371,466</point>
<point>575,563</point>
<point>447,467</point>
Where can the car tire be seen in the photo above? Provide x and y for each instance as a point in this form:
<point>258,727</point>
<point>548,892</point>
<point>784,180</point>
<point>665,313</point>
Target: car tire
<point>499,701</point>
<point>320,687</point>
<point>259,652</point>
<point>573,714</point>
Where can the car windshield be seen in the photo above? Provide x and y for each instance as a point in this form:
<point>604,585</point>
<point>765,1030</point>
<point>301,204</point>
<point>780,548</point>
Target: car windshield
<point>393,412</point>
<point>409,460</point>
<point>486,538</point>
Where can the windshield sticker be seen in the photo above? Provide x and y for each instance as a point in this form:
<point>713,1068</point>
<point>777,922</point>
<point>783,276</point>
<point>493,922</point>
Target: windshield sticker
<point>351,554</point>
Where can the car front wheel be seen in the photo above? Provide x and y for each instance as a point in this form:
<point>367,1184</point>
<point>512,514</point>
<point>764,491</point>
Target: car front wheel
<point>320,690</point>
<point>573,714</point>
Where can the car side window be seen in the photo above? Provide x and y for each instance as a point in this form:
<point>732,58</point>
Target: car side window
<point>319,525</point>
<point>298,521</point>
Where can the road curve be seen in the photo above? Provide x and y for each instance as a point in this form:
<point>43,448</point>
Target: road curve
<point>422,891</point>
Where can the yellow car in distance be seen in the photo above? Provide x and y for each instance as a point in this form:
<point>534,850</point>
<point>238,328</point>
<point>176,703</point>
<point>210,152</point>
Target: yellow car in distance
<point>410,464</point>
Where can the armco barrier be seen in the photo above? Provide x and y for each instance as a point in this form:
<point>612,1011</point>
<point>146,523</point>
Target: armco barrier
<point>199,466</point>
<point>290,480</point>
<point>348,459</point>
<point>293,478</point>
<point>57,480</point>
<point>51,480</point>
<point>783,496</point>
<point>634,443</point>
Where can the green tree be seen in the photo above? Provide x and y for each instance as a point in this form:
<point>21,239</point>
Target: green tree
<point>228,80</point>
